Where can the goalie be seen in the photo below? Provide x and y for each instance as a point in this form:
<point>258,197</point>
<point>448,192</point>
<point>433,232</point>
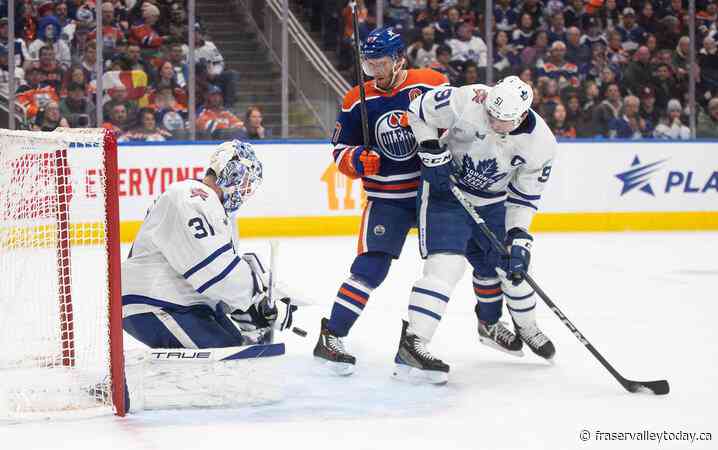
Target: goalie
<point>184,285</point>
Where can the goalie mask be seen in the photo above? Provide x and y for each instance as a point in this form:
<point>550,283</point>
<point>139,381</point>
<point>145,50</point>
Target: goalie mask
<point>508,103</point>
<point>238,171</point>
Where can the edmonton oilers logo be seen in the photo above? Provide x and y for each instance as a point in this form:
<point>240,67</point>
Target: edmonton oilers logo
<point>396,142</point>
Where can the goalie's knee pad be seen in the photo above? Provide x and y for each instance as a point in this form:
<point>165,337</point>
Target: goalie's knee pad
<point>489,298</point>
<point>371,268</point>
<point>432,291</point>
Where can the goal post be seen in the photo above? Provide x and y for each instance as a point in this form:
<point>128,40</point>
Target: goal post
<point>60,296</point>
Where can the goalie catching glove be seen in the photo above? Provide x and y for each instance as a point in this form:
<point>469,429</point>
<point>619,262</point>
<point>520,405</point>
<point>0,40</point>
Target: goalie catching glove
<point>263,315</point>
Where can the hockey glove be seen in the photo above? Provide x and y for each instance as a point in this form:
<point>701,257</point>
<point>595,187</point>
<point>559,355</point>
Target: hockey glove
<point>436,167</point>
<point>365,161</point>
<point>518,243</point>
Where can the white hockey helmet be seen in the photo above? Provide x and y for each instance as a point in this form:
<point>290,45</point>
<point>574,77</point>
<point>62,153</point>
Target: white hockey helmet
<point>238,171</point>
<point>508,103</point>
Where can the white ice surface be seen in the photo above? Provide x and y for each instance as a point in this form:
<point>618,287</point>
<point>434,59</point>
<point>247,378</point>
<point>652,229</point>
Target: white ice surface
<point>647,302</point>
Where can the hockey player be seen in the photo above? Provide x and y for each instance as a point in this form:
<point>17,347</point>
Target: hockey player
<point>389,169</point>
<point>184,285</point>
<point>500,153</point>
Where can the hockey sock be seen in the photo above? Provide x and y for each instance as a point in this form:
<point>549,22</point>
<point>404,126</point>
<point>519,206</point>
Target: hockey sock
<point>427,303</point>
<point>489,297</point>
<point>521,302</point>
<point>348,306</point>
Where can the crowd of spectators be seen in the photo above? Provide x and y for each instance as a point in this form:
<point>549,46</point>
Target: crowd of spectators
<point>145,63</point>
<point>599,68</point>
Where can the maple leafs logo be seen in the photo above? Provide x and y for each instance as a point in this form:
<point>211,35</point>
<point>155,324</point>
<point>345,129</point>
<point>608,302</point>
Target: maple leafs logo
<point>481,175</point>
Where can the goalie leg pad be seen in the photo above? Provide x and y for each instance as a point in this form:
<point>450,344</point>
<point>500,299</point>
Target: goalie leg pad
<point>431,292</point>
<point>367,272</point>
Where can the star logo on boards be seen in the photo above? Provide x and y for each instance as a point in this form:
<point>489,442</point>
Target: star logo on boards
<point>201,193</point>
<point>638,176</point>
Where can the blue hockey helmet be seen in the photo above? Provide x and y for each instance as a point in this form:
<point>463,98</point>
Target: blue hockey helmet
<point>382,42</point>
<point>238,171</point>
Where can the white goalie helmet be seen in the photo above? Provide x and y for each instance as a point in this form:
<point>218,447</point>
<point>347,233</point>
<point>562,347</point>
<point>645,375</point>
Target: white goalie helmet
<point>508,103</point>
<point>238,171</point>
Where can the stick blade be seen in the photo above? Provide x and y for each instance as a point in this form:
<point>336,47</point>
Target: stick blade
<point>659,387</point>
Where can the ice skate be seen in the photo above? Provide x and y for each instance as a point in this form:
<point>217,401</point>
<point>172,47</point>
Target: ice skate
<point>538,342</point>
<point>330,350</point>
<point>415,363</point>
<point>499,337</point>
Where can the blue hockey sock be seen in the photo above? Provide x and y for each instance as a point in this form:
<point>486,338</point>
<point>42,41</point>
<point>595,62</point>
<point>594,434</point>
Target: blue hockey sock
<point>351,299</point>
<point>489,297</point>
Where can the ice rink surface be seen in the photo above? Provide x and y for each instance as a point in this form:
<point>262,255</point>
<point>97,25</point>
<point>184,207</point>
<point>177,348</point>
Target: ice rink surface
<point>647,302</point>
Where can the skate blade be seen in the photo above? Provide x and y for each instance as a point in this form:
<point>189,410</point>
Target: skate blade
<point>336,368</point>
<point>489,343</point>
<point>413,375</point>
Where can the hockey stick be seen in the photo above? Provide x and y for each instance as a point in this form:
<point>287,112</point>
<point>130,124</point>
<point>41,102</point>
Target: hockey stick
<point>659,387</point>
<point>273,255</point>
<point>360,78</point>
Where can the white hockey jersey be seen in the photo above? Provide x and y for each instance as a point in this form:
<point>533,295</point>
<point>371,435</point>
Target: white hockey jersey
<point>489,167</point>
<point>185,253</point>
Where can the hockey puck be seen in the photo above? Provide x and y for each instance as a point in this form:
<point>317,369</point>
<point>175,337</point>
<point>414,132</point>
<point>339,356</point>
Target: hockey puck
<point>299,332</point>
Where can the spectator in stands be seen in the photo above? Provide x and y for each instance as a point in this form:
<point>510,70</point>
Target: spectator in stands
<point>617,55</point>
<point>429,15</point>
<point>50,68</point>
<point>573,111</point>
<point>680,57</point>
<point>708,121</point>
<point>632,35</point>
<point>178,22</point>
<point>49,118</point>
<point>49,34</point>
<point>669,32</point>
<point>179,65</point>
<point>75,74</point>
<point>557,30</point>
<point>506,58</point>
<point>670,125</point>
<point>136,62</point>
<point>629,124</point>
<point>166,75</point>
<point>535,9</point>
<point>207,52</point>
<point>708,62</point>
<point>638,71</point>
<point>397,16</point>
<point>254,129</point>
<point>422,53</point>
<point>144,32</point>
<point>170,113</point>
<point>467,47</point>
<point>522,37</point>
<point>586,125</point>
<point>535,55</point>
<point>559,126</point>
<point>21,54</point>
<point>77,108</point>
<point>647,19</point>
<point>89,57</point>
<point>557,68</point>
<point>594,33</point>
<point>609,14</point>
<point>147,131</point>
<point>576,52</point>
<point>549,96</point>
<point>111,32</point>
<point>118,120</point>
<point>470,74</point>
<point>607,110</point>
<point>4,71</point>
<point>443,64</point>
<point>118,96</point>
<point>447,28</point>
<point>648,109</point>
<point>467,13</point>
<point>574,13</point>
<point>665,84</point>
<point>505,16</point>
<point>215,120</point>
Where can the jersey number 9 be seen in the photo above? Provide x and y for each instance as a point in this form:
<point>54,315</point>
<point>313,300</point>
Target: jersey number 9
<point>545,173</point>
<point>442,98</point>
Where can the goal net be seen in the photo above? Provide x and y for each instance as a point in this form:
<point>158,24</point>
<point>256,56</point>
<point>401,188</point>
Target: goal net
<point>60,310</point>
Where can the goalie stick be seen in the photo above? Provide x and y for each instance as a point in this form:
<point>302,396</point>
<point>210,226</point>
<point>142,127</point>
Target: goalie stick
<point>273,255</point>
<point>659,387</point>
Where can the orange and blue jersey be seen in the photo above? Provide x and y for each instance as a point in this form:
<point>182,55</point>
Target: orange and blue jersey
<point>398,178</point>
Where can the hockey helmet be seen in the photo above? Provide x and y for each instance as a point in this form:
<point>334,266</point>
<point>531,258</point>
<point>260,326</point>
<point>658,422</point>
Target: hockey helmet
<point>380,43</point>
<point>238,171</point>
<point>508,103</point>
